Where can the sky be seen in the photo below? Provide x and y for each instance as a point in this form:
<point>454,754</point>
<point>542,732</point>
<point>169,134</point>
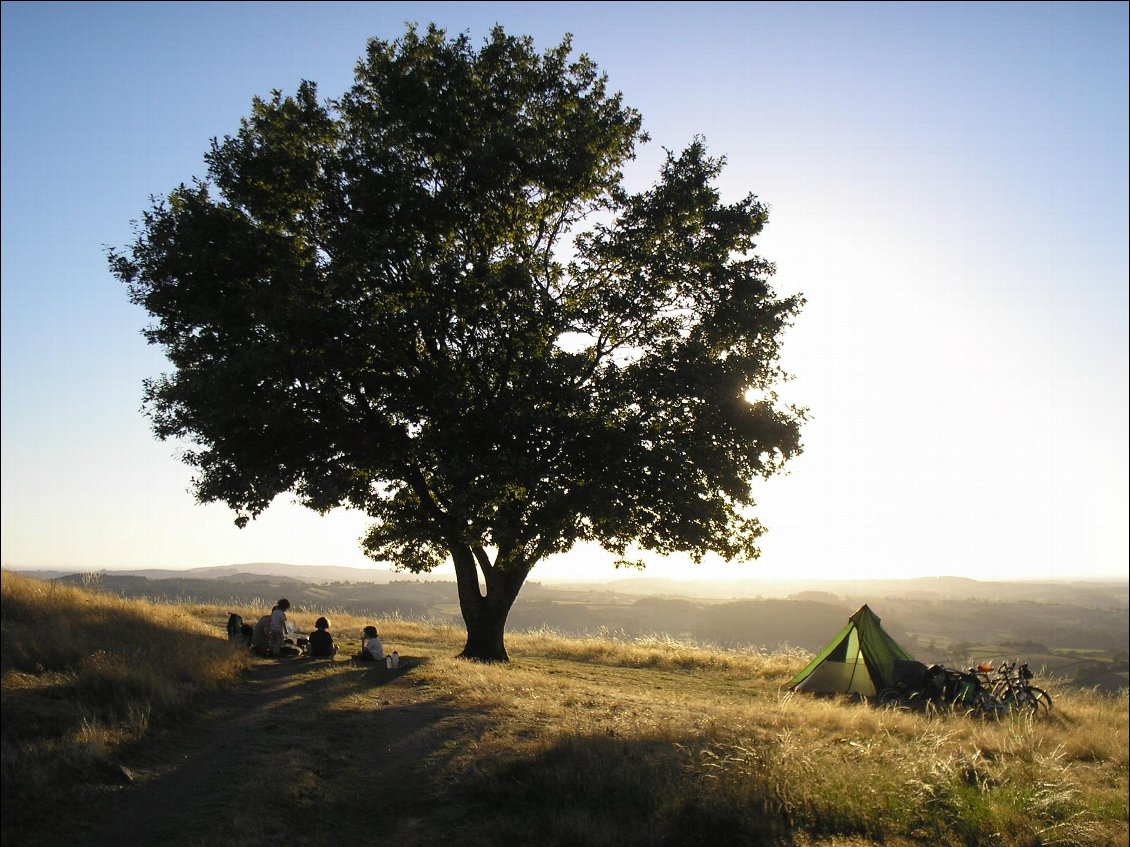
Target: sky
<point>947,186</point>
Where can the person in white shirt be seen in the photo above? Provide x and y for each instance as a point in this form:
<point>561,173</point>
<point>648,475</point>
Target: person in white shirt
<point>371,648</point>
<point>278,625</point>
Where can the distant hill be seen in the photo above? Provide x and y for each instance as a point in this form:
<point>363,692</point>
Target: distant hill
<point>247,572</point>
<point>1082,593</point>
<point>1088,594</point>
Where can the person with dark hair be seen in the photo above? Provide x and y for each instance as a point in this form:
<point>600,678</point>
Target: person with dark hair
<point>371,648</point>
<point>278,626</point>
<point>321,641</point>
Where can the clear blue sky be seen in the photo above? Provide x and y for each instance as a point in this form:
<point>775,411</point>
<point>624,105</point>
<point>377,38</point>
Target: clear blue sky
<point>948,188</point>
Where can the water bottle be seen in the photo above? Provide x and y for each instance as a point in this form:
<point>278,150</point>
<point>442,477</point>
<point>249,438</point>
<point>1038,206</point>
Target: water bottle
<point>388,662</point>
<point>395,659</point>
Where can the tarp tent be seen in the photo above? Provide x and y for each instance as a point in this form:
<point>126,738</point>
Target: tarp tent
<point>860,660</point>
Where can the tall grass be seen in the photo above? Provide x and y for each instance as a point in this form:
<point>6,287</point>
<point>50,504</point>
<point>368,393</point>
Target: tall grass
<point>604,741</point>
<point>84,674</point>
<point>687,761</point>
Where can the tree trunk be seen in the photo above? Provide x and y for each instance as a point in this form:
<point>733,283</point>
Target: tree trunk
<point>485,615</point>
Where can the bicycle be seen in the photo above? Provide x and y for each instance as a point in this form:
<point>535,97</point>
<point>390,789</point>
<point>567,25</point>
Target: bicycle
<point>1011,686</point>
<point>969,690</point>
<point>938,687</point>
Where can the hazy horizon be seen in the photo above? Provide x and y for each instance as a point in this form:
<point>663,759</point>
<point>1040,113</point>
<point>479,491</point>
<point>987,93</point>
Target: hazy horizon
<point>563,576</point>
<point>947,186</point>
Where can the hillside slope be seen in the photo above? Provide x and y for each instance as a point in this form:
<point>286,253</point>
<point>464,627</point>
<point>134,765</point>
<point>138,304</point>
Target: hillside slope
<point>1073,632</point>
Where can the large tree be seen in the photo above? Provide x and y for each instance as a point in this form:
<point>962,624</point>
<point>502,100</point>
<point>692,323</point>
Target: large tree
<point>432,300</point>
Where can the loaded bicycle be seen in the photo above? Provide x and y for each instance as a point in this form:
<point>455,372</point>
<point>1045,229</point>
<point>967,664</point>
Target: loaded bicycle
<point>917,686</point>
<point>1011,684</point>
<point>982,691</point>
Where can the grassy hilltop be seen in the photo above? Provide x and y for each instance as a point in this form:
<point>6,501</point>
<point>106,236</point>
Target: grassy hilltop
<point>128,716</point>
<point>1076,631</point>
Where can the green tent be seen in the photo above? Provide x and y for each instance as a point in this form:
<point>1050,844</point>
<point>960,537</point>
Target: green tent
<point>860,660</point>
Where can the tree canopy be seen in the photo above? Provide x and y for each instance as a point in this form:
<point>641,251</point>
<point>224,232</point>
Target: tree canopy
<point>432,300</point>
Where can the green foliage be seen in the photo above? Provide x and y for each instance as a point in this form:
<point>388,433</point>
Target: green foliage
<point>432,300</point>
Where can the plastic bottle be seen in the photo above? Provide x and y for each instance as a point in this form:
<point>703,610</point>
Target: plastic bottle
<point>395,659</point>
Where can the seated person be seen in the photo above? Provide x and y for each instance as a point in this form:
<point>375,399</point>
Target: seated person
<point>321,642</point>
<point>371,648</point>
<point>261,636</point>
<point>279,626</point>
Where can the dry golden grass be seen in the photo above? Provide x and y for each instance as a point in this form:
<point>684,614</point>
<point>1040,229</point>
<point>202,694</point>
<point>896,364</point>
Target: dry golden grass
<point>592,741</point>
<point>85,674</point>
<point>766,763</point>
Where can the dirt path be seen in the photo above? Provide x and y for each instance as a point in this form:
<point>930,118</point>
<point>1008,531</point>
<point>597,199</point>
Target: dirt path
<point>304,753</point>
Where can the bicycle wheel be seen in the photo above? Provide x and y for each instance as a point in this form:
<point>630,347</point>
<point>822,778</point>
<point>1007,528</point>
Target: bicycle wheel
<point>1041,700</point>
<point>1034,701</point>
<point>891,698</point>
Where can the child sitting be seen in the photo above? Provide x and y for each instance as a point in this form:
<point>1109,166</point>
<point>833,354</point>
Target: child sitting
<point>279,628</point>
<point>371,648</point>
<point>321,642</point>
